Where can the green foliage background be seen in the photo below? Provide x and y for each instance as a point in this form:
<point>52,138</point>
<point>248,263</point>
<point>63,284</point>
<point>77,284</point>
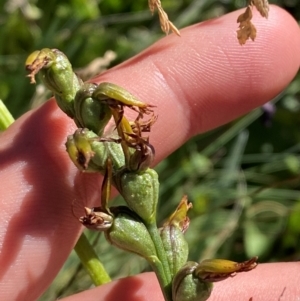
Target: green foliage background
<point>242,178</point>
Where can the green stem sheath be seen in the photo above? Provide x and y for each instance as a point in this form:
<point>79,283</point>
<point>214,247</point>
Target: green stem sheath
<point>90,261</point>
<point>165,279</point>
<point>160,275</point>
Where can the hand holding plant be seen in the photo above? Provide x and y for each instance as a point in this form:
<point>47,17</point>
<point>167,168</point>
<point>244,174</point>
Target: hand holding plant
<point>182,123</point>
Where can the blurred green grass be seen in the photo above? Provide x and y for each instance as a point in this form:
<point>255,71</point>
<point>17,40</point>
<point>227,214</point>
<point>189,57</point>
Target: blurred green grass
<point>242,178</point>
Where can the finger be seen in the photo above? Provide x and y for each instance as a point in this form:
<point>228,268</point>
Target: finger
<point>265,283</point>
<point>38,230</point>
<point>205,78</point>
<point>268,282</point>
<point>37,226</point>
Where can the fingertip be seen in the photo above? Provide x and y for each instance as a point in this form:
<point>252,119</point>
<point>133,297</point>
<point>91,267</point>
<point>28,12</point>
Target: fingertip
<point>38,230</point>
<point>142,287</point>
<point>206,78</point>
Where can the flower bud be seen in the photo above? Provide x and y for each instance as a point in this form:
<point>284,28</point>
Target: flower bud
<point>187,287</point>
<point>175,246</point>
<point>89,154</point>
<point>57,75</point>
<point>130,234</point>
<point>142,157</point>
<point>214,270</point>
<point>140,191</point>
<point>79,149</point>
<point>95,219</point>
<point>89,112</point>
<point>172,235</point>
<point>122,228</point>
<point>194,280</point>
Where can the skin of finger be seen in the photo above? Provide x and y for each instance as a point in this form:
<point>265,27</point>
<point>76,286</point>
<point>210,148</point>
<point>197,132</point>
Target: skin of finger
<point>38,229</point>
<point>39,187</point>
<point>205,78</point>
<point>268,282</point>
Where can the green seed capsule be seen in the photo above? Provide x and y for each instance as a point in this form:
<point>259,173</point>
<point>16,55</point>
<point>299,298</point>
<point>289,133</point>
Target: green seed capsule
<point>140,191</point>
<point>176,247</point>
<point>187,287</point>
<point>130,234</point>
<point>57,75</point>
<point>89,154</point>
<point>90,112</point>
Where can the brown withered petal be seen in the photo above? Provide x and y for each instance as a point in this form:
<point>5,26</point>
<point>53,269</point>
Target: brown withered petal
<point>165,24</point>
<point>140,126</point>
<point>246,16</point>
<point>246,28</point>
<point>95,219</point>
<point>35,67</point>
<point>151,4</point>
<point>246,32</point>
<point>179,218</point>
<point>174,28</point>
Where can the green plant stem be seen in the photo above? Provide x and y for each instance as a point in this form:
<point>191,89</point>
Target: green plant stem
<point>166,278</point>
<point>160,275</point>
<point>6,118</point>
<point>90,261</point>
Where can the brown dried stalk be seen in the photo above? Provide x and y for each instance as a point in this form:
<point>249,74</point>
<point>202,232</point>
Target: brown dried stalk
<point>246,28</point>
<point>165,24</point>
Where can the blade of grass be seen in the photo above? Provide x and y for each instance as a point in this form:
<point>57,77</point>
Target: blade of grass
<point>6,119</point>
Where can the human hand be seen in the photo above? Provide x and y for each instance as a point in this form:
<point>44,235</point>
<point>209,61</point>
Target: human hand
<point>199,81</point>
